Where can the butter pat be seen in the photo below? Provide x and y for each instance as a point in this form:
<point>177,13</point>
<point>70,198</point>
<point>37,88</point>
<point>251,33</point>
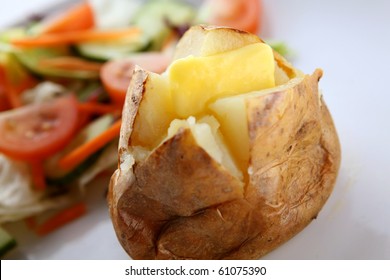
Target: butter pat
<point>196,81</point>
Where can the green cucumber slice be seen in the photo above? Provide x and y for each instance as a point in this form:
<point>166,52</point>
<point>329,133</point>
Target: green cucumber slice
<point>7,242</point>
<point>32,60</point>
<point>156,17</point>
<point>111,50</point>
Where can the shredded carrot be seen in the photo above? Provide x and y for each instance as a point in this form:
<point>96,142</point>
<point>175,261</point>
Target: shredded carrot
<point>78,17</point>
<point>14,81</point>
<point>81,153</point>
<point>31,222</point>
<point>73,37</point>
<point>13,97</point>
<point>83,119</point>
<point>71,63</point>
<point>97,108</point>
<point>38,175</point>
<point>61,218</point>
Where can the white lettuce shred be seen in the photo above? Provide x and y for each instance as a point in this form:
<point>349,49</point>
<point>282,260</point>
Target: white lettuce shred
<point>114,13</point>
<point>18,199</point>
<point>43,92</point>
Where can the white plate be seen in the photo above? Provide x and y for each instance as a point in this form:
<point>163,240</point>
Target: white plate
<point>350,41</point>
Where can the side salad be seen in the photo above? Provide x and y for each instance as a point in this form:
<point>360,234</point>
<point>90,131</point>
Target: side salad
<point>63,80</point>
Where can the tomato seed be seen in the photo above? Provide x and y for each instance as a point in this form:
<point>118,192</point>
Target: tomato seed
<point>47,125</point>
<point>29,134</point>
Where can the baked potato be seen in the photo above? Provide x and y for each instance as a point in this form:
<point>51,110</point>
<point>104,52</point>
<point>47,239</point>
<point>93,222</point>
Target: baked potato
<point>228,154</point>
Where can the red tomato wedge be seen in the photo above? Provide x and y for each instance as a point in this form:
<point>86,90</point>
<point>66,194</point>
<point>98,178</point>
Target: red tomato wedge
<point>37,131</point>
<point>4,102</point>
<point>240,14</point>
<point>116,74</point>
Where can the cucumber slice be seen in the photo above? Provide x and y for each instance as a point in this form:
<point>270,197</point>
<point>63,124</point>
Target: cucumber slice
<point>111,50</point>
<point>12,33</point>
<point>73,175</point>
<point>90,89</point>
<point>156,17</point>
<point>32,59</point>
<point>7,242</point>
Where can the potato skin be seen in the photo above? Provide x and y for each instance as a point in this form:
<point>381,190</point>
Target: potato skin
<point>295,158</point>
<point>180,204</point>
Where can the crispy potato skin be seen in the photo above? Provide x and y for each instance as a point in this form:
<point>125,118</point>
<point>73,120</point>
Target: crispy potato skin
<point>180,204</point>
<point>295,158</point>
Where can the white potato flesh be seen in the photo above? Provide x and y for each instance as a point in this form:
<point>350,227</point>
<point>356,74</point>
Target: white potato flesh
<point>155,113</point>
<point>206,89</point>
<point>207,135</point>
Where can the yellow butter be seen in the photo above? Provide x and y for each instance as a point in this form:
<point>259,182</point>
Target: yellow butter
<point>195,81</point>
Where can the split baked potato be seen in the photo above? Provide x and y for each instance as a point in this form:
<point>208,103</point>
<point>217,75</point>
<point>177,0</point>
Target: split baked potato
<point>226,155</point>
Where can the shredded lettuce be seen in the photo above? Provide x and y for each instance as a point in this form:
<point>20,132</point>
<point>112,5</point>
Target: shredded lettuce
<point>43,92</point>
<point>17,197</point>
<point>114,13</point>
<point>281,48</point>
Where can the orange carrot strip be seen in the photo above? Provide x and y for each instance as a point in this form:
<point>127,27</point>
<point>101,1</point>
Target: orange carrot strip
<point>73,37</point>
<point>83,119</point>
<point>97,108</point>
<point>14,82</point>
<point>71,63</point>
<point>61,218</point>
<point>81,153</point>
<point>38,175</point>
<point>78,17</point>
<point>13,97</point>
<point>31,222</point>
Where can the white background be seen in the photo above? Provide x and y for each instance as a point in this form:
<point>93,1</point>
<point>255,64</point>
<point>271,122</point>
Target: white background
<point>350,41</point>
<point>214,270</point>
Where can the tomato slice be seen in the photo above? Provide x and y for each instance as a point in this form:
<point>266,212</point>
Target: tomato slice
<point>37,131</point>
<point>4,102</point>
<point>116,74</point>
<point>240,14</point>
